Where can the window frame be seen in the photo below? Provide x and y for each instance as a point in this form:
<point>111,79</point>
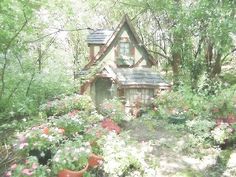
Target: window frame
<point>128,59</point>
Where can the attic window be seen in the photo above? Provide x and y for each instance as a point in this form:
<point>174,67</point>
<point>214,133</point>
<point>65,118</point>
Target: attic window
<point>124,49</point>
<point>124,55</point>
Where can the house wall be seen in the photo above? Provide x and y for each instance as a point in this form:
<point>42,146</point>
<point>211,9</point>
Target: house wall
<point>110,58</point>
<point>93,50</point>
<point>96,49</point>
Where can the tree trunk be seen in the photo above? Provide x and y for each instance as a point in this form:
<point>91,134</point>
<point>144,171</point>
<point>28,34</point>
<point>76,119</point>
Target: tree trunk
<point>217,65</point>
<point>40,56</point>
<point>175,64</point>
<point>209,56</point>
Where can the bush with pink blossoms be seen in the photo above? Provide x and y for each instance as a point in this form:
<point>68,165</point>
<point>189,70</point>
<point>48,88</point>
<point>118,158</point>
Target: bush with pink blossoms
<point>30,167</point>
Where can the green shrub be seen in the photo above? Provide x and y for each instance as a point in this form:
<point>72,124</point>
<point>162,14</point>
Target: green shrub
<point>200,128</point>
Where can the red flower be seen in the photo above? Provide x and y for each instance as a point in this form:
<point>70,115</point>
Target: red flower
<point>110,125</point>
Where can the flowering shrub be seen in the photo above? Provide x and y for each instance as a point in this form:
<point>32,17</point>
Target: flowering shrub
<point>41,137</point>
<point>113,109</point>
<point>200,127</point>
<point>71,123</point>
<point>30,167</point>
<point>222,133</point>
<point>67,104</point>
<point>122,158</point>
<point>88,118</point>
<point>73,155</point>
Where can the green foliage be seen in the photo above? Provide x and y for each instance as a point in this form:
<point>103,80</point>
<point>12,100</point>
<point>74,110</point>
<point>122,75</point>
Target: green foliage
<point>207,86</point>
<point>113,109</point>
<point>224,103</point>
<point>71,123</point>
<point>200,127</point>
<point>222,133</point>
<point>188,173</point>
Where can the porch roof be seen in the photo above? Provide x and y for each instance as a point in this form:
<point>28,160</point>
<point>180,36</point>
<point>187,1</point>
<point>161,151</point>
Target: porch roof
<point>139,76</point>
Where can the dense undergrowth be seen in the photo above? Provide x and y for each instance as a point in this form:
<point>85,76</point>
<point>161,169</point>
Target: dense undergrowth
<point>207,121</point>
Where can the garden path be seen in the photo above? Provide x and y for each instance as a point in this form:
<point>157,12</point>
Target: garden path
<point>169,149</point>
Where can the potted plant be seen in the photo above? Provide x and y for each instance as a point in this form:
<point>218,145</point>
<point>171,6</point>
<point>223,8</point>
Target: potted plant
<point>71,160</point>
<point>95,158</point>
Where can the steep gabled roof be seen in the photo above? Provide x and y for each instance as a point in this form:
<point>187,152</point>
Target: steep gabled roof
<point>110,42</point>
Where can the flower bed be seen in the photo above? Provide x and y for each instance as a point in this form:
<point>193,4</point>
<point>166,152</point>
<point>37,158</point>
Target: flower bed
<point>66,104</point>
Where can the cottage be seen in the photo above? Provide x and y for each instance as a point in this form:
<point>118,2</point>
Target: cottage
<point>120,65</point>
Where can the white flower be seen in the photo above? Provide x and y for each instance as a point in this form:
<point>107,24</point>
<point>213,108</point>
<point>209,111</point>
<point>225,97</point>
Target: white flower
<point>42,154</point>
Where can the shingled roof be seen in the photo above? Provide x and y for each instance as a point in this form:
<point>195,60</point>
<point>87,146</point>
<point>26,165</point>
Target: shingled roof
<point>99,36</point>
<point>139,76</point>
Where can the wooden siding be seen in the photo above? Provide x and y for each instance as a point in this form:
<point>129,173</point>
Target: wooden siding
<point>134,95</point>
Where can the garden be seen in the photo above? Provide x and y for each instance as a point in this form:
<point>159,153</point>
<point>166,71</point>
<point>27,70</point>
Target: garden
<point>47,129</point>
<point>177,135</point>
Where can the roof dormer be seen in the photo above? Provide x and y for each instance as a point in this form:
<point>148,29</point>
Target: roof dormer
<point>96,40</point>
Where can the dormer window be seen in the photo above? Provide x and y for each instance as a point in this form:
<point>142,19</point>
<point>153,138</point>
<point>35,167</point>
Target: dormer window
<point>125,49</point>
<point>125,55</point>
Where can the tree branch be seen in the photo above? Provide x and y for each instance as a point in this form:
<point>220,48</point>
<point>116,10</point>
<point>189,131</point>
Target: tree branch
<point>224,58</point>
<point>57,31</point>
<point>164,56</point>
<point>5,56</point>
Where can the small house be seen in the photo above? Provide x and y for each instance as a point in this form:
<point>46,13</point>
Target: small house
<point>120,66</point>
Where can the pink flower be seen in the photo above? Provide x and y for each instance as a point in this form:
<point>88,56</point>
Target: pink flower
<point>22,139</point>
<point>27,172</point>
<point>22,145</point>
<point>34,166</point>
<point>8,174</point>
<point>13,166</point>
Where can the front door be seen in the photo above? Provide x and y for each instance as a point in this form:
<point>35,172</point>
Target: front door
<point>102,90</point>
